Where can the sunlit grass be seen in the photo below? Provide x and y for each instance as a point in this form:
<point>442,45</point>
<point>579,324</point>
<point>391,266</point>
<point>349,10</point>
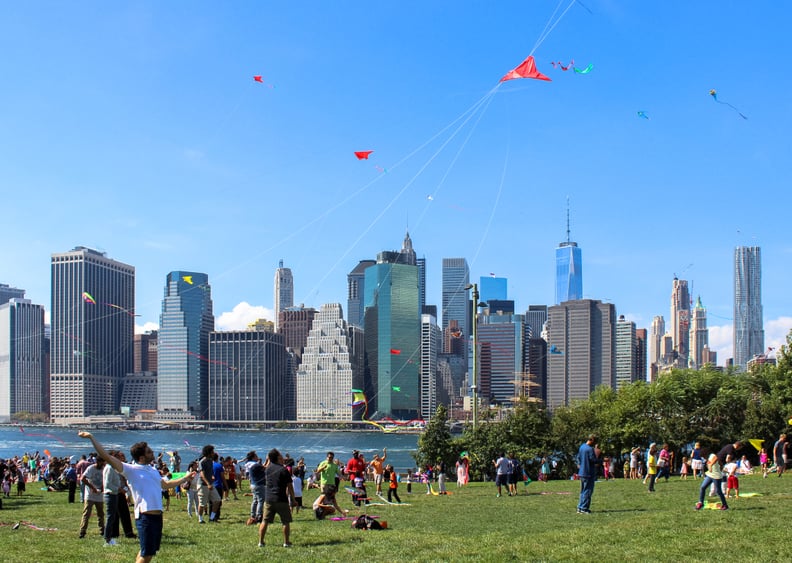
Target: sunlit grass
<point>628,523</point>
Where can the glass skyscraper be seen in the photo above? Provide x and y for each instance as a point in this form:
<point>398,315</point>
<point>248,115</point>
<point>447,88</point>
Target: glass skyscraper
<point>183,341</point>
<point>748,323</point>
<point>284,292</point>
<point>492,288</point>
<point>569,272</point>
<point>93,303</point>
<point>392,337</point>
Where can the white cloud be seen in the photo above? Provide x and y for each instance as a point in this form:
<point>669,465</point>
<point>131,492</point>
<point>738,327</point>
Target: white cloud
<point>721,340</point>
<point>241,316</point>
<point>145,327</point>
<point>776,331</point>
<point>721,337</point>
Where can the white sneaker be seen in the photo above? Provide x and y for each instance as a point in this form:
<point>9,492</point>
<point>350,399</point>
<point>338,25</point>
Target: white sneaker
<point>110,543</point>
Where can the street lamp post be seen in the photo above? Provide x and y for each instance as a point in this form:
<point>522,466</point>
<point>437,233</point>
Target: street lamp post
<point>474,380</point>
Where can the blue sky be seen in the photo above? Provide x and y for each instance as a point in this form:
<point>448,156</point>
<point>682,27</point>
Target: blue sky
<point>136,128</point>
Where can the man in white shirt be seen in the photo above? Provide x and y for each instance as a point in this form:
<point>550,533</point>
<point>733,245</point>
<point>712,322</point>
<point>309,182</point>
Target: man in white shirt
<point>92,481</point>
<point>147,485</point>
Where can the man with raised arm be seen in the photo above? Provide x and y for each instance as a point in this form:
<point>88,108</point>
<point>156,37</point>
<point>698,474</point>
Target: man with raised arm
<point>147,485</point>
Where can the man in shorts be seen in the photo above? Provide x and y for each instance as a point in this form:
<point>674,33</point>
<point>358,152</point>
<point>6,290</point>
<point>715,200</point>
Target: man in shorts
<point>278,492</point>
<point>780,454</point>
<point>208,497</point>
<point>147,485</point>
<point>502,472</point>
<point>378,465</point>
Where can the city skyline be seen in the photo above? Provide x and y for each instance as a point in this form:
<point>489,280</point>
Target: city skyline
<point>162,151</point>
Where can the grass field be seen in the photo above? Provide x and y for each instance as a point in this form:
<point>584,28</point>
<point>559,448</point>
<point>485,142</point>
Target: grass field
<point>540,524</point>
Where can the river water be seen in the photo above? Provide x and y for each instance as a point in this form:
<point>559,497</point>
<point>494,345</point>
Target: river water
<point>313,446</point>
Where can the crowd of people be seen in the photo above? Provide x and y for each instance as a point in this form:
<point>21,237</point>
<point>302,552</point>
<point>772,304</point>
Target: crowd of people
<point>719,471</point>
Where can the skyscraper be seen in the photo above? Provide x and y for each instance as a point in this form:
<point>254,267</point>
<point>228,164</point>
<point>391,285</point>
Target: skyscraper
<point>501,340</point>
<point>535,318</point>
<point>93,300</point>
<point>356,287</point>
<point>248,376</point>
<point>492,288</point>
<point>456,304</point>
<point>183,339</point>
<point>640,354</point>
<point>680,321</point>
<point>392,335</point>
<point>295,324</point>
<point>582,349</point>
<point>699,336</point>
<point>284,291</point>
<point>332,365</point>
<point>431,340</point>
<point>7,292</point>
<point>656,333</point>
<point>22,354</point>
<point>569,270</point>
<point>748,322</point>
<point>145,352</point>
<point>625,352</point>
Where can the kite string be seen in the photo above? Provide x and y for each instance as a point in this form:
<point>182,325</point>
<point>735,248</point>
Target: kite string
<point>546,33</point>
<point>395,198</point>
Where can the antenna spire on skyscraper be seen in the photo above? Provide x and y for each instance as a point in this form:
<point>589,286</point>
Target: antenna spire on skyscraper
<point>568,238</point>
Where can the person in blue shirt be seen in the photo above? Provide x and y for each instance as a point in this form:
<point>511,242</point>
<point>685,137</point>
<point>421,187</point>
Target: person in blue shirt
<point>588,460</point>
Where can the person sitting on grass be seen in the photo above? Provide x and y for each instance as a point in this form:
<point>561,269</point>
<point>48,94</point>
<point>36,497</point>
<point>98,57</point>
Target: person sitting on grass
<point>326,503</point>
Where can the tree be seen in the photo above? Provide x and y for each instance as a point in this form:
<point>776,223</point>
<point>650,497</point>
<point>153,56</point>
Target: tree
<point>436,442</point>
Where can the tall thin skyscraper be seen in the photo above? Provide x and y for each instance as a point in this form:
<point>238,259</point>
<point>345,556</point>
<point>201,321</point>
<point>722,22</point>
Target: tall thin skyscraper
<point>431,340</point>
<point>284,292</point>
<point>569,270</point>
<point>22,355</point>
<point>656,334</point>
<point>501,372</point>
<point>625,352</point>
<point>535,318</point>
<point>183,340</point>
<point>93,298</point>
<point>680,321</point>
<point>582,350</point>
<point>699,336</point>
<point>748,321</point>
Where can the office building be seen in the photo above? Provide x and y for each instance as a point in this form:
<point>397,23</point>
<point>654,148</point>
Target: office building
<point>7,293</point>
<point>626,343</point>
<point>431,341</point>
<point>145,352</point>
<point>656,334</point>
<point>582,350</point>
<point>284,292</point>
<point>332,365</point>
<point>748,321</point>
<point>356,287</point>
<point>183,339</point>
<point>93,303</point>
<point>493,288</point>
<point>248,377</point>
<point>569,269</point>
<point>295,323</point>
<point>680,321</point>
<point>501,375</point>
<point>23,385</point>
<point>699,336</point>
<point>139,392</point>
<point>392,335</point>
<point>640,354</point>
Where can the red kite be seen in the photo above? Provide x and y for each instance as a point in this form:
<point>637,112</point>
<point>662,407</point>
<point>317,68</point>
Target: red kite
<point>395,352</point>
<point>258,78</point>
<point>363,155</point>
<point>527,69</point>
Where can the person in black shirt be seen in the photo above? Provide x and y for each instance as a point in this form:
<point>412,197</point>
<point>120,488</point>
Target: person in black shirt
<point>278,491</point>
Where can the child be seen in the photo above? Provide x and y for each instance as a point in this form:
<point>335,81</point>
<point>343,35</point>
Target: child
<point>763,462</point>
<point>297,485</point>
<point>360,485</point>
<point>651,464</point>
<point>732,483</point>
<point>394,484</point>
<point>683,471</point>
<point>606,465</point>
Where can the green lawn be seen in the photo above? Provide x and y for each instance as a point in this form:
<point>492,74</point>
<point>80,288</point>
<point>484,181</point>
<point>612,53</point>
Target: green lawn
<point>628,523</point>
